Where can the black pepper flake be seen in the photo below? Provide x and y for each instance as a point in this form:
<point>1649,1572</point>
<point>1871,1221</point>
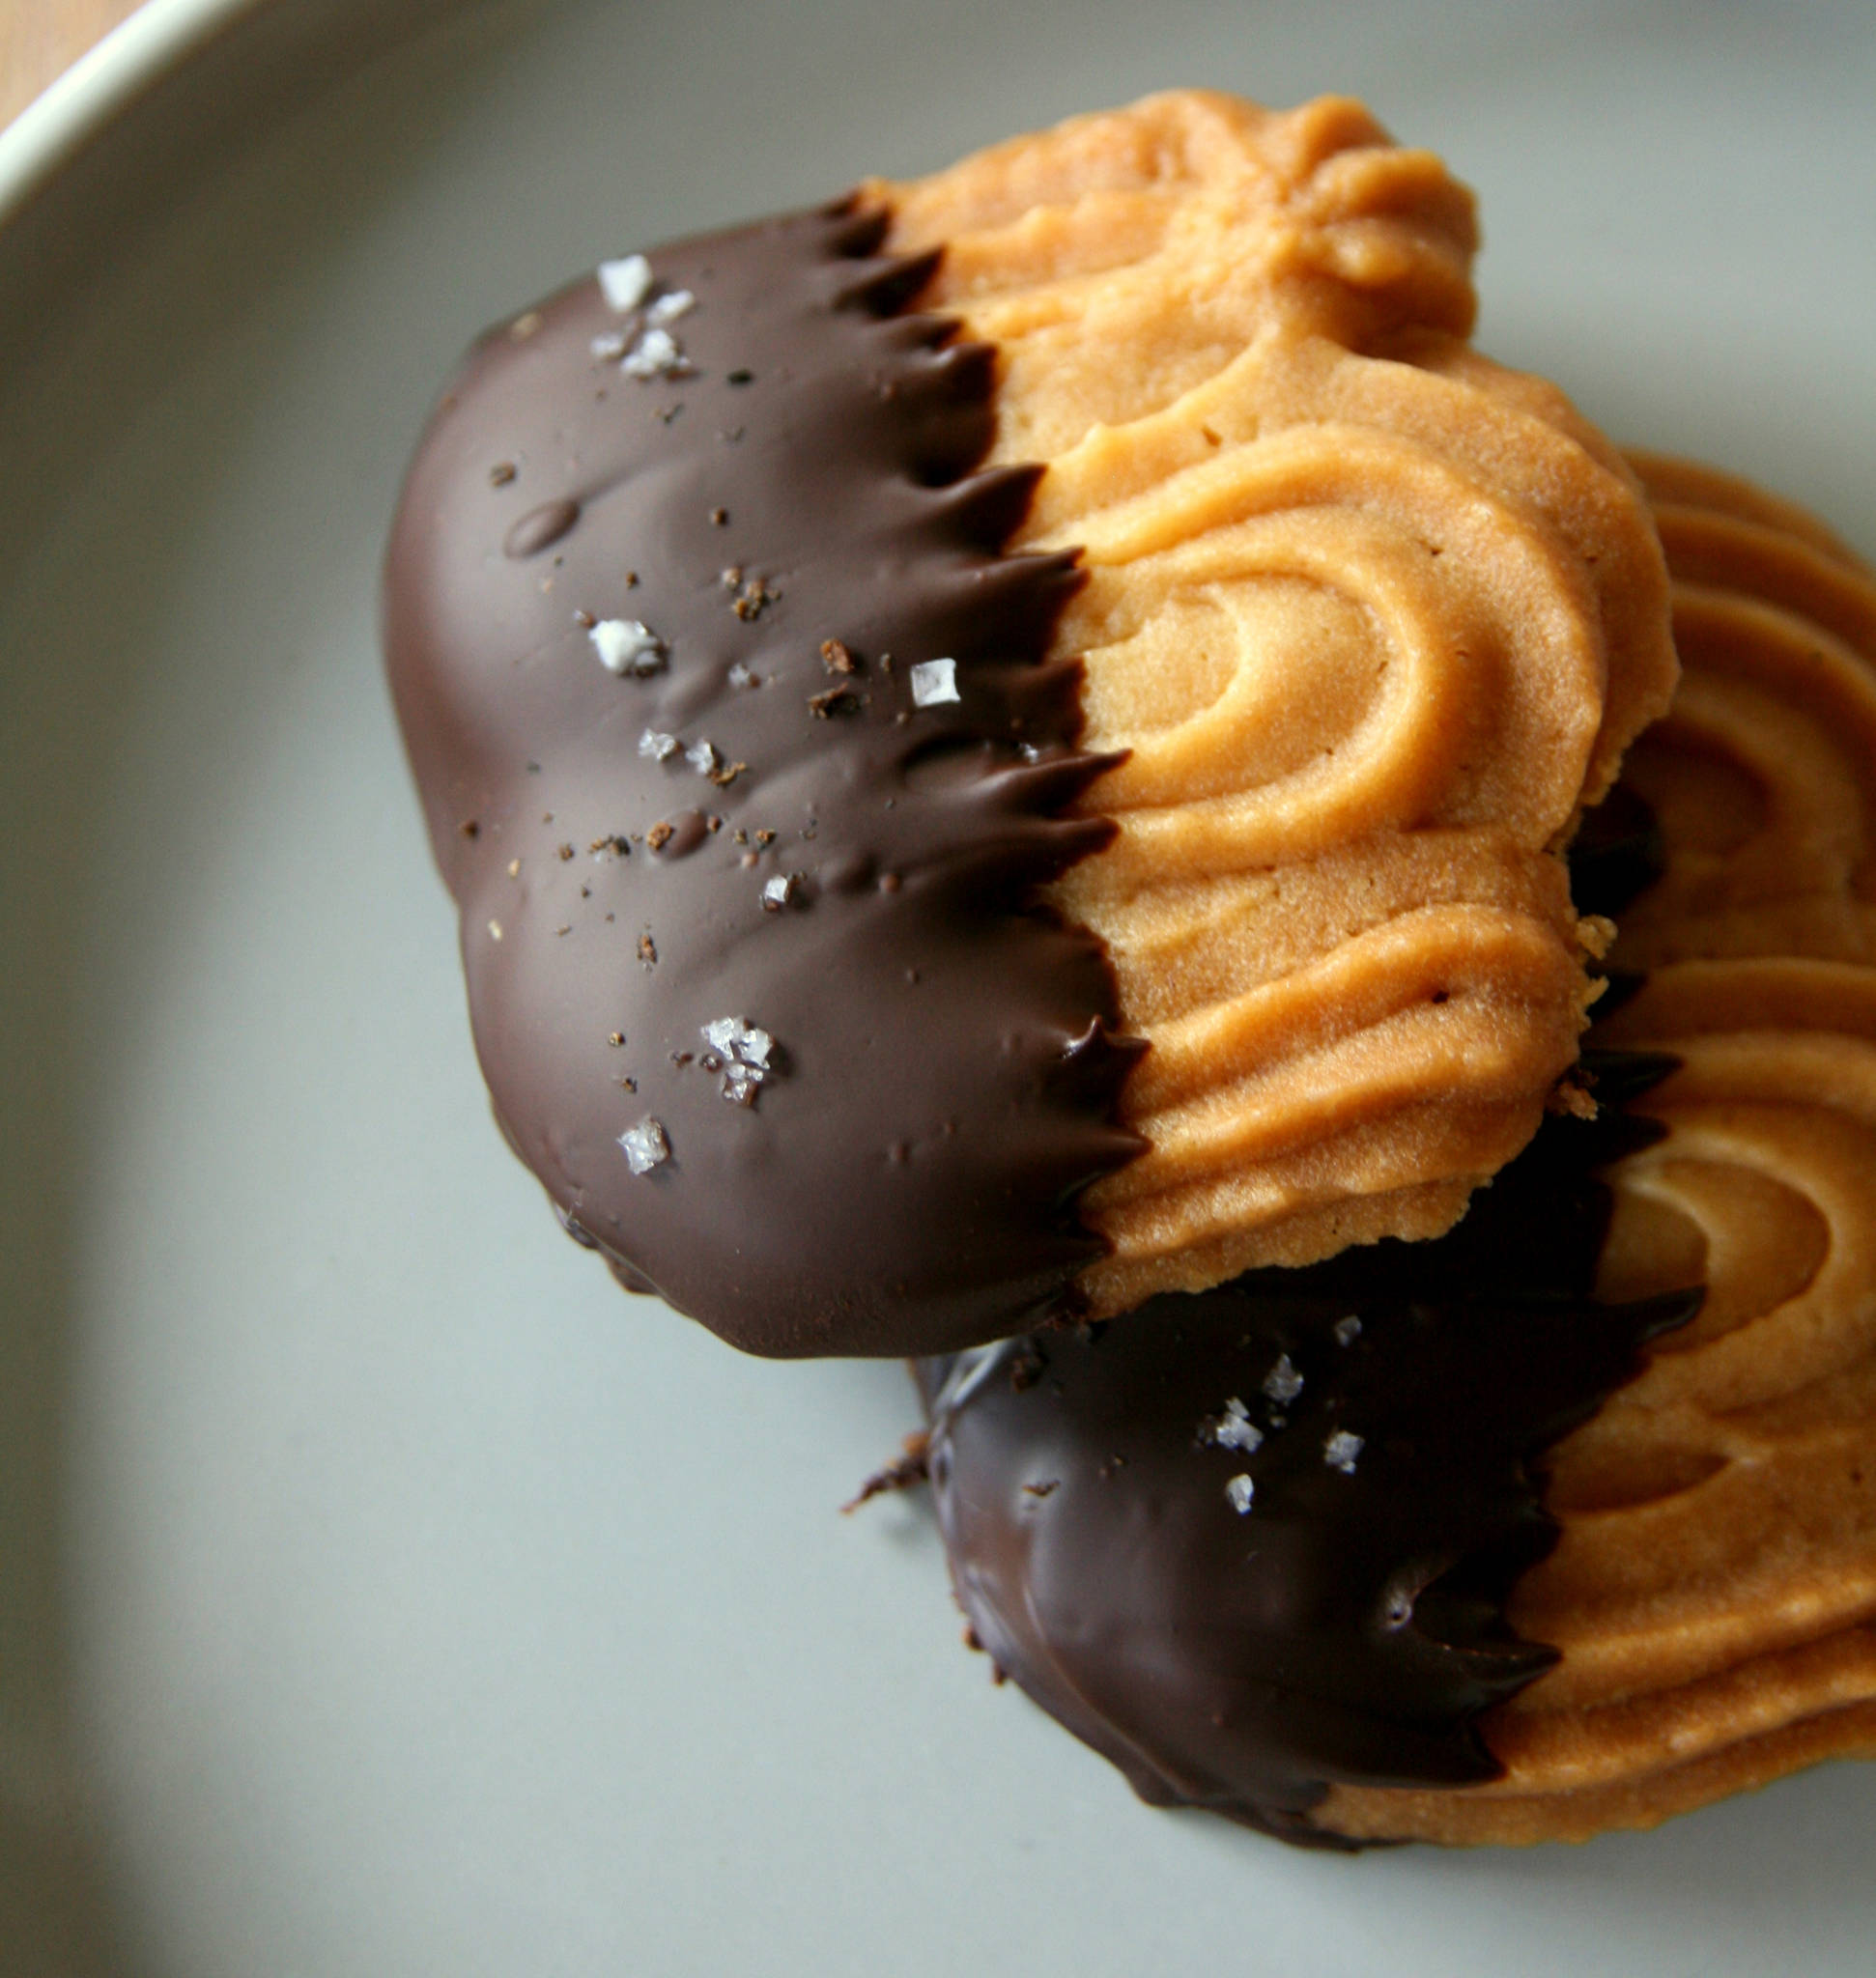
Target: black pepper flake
<point>710,1061</point>
<point>1043,1489</point>
<point>739,376</point>
<point>630,1084</point>
<point>631,579</point>
<point>501,474</point>
<point>720,518</point>
<point>837,658</point>
<point>470,828</point>
<point>843,699</point>
<point>615,1037</point>
<point>681,1058</point>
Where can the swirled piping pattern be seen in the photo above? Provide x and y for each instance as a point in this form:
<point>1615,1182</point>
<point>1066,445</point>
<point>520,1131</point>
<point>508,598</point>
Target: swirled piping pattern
<point>1713,1589</point>
<point>1370,617</point>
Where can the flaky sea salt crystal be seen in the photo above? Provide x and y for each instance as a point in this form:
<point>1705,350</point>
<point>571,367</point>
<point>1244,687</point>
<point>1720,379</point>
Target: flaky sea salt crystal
<point>624,282</point>
<point>1240,1493</point>
<point>776,893</point>
<point>668,308</point>
<point>737,1040</point>
<point>645,1145</point>
<point>1234,1429</point>
<point>1348,1330</point>
<point>702,757</point>
<point>611,346</point>
<point>1239,1432</point>
<point>744,1049</point>
<point>625,646</point>
<point>653,355</point>
<point>1282,1383</point>
<point>741,676</point>
<point>657,746</point>
<point>934,681</point>
<point>1341,1450</point>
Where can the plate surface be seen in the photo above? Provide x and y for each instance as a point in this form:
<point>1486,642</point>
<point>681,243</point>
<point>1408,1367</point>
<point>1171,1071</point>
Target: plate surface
<point>381,1592</point>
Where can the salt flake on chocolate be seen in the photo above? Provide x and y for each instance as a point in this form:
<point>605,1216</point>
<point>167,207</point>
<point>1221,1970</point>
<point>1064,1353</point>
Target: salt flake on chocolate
<point>624,282</point>
<point>1241,1493</point>
<point>655,355</point>
<point>702,757</point>
<point>657,746</point>
<point>669,307</point>
<point>777,892</point>
<point>625,646</point>
<point>1282,1383</point>
<point>934,681</point>
<point>744,1049</point>
<point>645,1145</point>
<point>1341,1450</point>
<point>1348,1330</point>
<point>1232,1429</point>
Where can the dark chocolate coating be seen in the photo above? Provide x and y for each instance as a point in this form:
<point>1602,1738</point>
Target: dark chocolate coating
<point>1350,1625</point>
<point>794,505</point>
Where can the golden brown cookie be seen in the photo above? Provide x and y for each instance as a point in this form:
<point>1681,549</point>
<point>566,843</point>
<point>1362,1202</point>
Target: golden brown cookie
<point>1003,745</point>
<point>1562,1521</point>
<point>1370,618</point>
<point>1714,1591</point>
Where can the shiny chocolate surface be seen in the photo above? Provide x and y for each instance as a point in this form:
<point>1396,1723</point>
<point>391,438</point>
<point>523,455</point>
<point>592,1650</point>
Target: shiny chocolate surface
<point>1256,1541</point>
<point>744,760</point>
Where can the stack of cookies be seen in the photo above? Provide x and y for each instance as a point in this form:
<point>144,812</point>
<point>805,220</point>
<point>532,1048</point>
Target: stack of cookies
<point>1045,771</point>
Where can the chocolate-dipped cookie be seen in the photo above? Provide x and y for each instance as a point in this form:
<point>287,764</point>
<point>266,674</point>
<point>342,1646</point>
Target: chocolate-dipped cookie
<point>1355,1597</point>
<point>869,672</point>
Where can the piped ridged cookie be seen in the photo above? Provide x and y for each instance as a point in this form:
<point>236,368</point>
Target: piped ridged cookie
<point>1370,618</point>
<point>1714,1589</point>
<point>1003,745</point>
<point>1565,1520</point>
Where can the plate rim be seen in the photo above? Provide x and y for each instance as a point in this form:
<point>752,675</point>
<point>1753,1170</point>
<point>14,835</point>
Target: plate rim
<point>160,36</point>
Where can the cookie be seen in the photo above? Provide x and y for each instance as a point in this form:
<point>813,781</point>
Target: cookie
<point>1370,616</point>
<point>1297,1550</point>
<point>1002,746</point>
<point>1253,1544</point>
<point>1714,1588</point>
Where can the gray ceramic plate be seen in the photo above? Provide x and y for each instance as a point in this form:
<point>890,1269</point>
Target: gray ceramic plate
<point>381,1592</point>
